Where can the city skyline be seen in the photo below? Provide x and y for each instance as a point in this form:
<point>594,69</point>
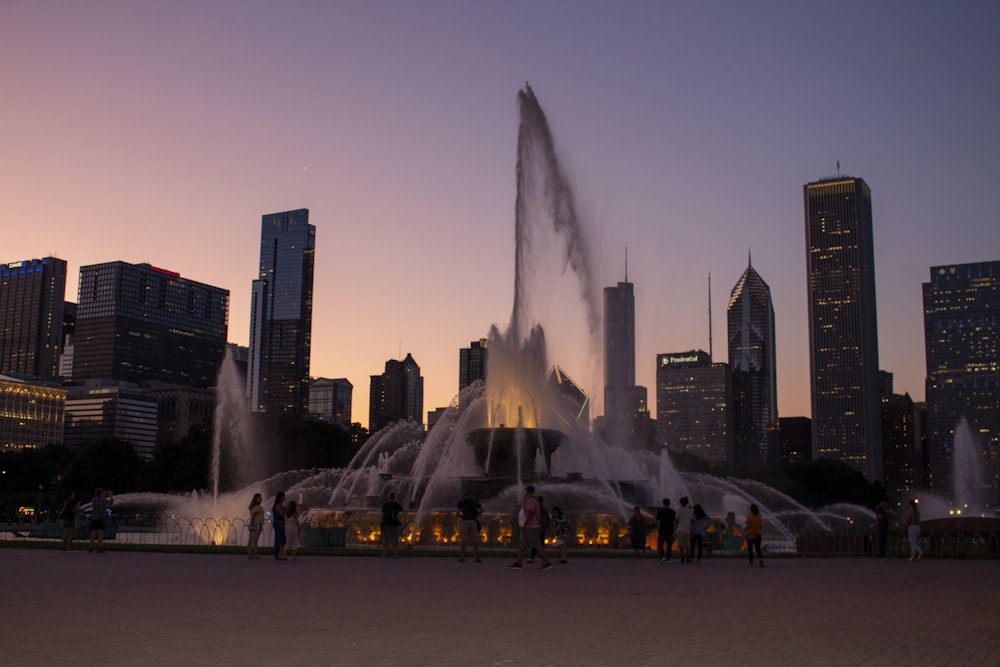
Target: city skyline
<point>687,137</point>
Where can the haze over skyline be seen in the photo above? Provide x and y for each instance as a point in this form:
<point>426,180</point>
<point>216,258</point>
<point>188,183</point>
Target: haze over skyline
<point>162,133</point>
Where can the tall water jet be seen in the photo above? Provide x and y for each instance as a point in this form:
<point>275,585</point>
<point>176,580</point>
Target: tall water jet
<point>232,442</point>
<point>553,280</point>
<point>967,468</point>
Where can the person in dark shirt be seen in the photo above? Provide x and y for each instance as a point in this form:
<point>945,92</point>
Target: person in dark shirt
<point>667,518</point>
<point>391,526</point>
<point>469,510</point>
<point>882,526</point>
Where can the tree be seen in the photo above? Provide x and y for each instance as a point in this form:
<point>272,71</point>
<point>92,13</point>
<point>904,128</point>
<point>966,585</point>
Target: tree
<point>182,465</point>
<point>109,464</point>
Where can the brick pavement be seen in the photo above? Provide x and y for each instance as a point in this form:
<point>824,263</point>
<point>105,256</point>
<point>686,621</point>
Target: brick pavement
<point>132,608</point>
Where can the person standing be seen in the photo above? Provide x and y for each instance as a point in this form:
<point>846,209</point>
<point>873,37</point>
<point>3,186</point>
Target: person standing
<point>68,515</point>
<point>530,531</point>
<point>685,516</point>
<point>255,526</point>
<point>882,526</point>
<point>561,525</point>
<point>545,522</point>
<point>912,522</point>
<point>667,520</point>
<point>637,532</point>
<point>698,528</point>
<point>753,529</point>
<point>469,510</point>
<point>291,531</point>
<point>99,506</point>
<point>278,522</point>
<point>391,524</point>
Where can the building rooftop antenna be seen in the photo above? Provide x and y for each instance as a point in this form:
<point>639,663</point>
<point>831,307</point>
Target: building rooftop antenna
<point>710,316</point>
<point>626,263</point>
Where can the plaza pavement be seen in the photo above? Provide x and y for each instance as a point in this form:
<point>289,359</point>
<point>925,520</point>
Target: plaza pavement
<point>146,609</point>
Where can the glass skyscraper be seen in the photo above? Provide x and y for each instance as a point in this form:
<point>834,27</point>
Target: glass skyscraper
<point>139,323</point>
<point>843,333</point>
<point>962,346</point>
<point>694,405</point>
<point>32,294</point>
<point>750,318</point>
<point>281,315</point>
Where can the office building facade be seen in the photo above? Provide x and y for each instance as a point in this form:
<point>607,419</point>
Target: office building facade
<point>102,411</point>
<point>281,315</point>
<point>619,352</point>
<point>31,415</point>
<point>900,444</point>
<point>472,363</point>
<point>843,333</point>
<point>752,359</point>
<point>694,406</point>
<point>396,395</point>
<point>139,323</point>
<point>962,348</point>
<point>330,400</point>
<point>32,297</point>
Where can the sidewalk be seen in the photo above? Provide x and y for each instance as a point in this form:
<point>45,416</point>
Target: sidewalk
<point>129,608</point>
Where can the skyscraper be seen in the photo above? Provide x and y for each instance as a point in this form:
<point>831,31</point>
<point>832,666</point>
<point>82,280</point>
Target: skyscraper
<point>32,294</point>
<point>138,323</point>
<point>619,352</point>
<point>396,395</point>
<point>752,358</point>
<point>694,405</point>
<point>962,346</point>
<point>472,362</point>
<point>331,399</point>
<point>843,333</point>
<point>281,315</point>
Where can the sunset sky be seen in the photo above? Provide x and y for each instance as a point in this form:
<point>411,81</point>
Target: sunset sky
<point>161,132</point>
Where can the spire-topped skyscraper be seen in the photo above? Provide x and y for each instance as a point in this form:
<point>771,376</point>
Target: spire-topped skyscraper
<point>751,336</point>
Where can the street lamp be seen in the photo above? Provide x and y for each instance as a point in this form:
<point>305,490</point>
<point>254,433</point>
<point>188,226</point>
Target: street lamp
<point>38,508</point>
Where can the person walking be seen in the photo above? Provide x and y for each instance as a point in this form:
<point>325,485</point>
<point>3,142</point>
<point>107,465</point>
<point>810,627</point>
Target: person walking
<point>667,520</point>
<point>68,516</point>
<point>391,524</point>
<point>469,510</point>
<point>530,531</point>
<point>278,522</point>
<point>882,526</point>
<point>698,528</point>
<point>912,522</point>
<point>291,547</point>
<point>753,529</point>
<point>255,526</point>
<point>561,524</point>
<point>99,506</point>
<point>685,517</point>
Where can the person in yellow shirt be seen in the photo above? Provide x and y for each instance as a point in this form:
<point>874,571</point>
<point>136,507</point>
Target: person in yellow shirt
<point>752,529</point>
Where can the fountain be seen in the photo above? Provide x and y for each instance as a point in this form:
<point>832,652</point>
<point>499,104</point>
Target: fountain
<point>516,427</point>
